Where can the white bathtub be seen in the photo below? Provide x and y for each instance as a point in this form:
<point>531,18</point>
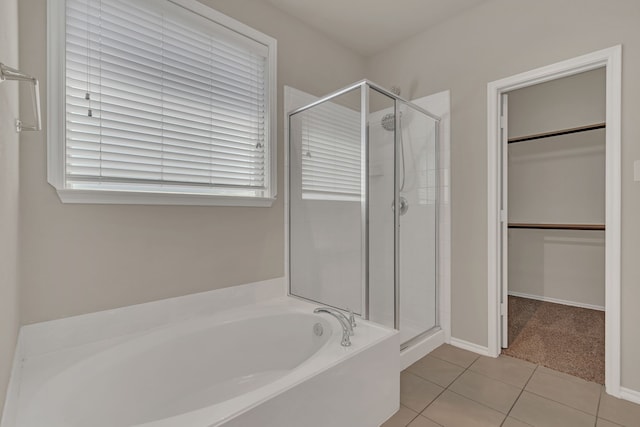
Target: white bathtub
<point>259,365</point>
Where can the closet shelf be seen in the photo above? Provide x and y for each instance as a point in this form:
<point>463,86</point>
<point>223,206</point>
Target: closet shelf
<point>594,227</point>
<point>558,133</point>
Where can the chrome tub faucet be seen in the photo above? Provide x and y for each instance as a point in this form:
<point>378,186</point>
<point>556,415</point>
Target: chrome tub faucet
<point>346,323</point>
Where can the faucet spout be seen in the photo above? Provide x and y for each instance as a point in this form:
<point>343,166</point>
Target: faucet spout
<point>347,329</point>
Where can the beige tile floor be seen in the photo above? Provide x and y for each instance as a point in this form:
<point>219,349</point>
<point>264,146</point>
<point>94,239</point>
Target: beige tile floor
<point>451,387</point>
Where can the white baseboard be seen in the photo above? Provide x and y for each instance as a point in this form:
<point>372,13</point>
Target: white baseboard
<point>558,301</point>
<point>466,345</point>
<point>630,395</point>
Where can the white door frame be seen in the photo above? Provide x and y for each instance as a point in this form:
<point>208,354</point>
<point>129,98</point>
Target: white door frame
<point>610,58</point>
<point>504,223</point>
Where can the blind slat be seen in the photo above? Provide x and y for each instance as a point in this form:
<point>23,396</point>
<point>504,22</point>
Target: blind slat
<point>170,101</point>
<point>124,77</point>
<point>331,151</point>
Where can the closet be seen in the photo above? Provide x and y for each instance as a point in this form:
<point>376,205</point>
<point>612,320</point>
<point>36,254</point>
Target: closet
<point>556,216</point>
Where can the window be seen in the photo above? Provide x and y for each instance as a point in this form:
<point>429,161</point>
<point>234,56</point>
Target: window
<point>159,102</point>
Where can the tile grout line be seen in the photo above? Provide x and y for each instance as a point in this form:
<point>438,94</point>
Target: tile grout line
<point>523,389</point>
<point>564,404</point>
<point>459,366</point>
<point>482,404</point>
<point>433,382</point>
<point>412,419</point>
<point>468,368</point>
<point>598,407</point>
<point>497,380</point>
<point>508,413</point>
<point>434,399</point>
<point>443,388</point>
<point>520,395</point>
<point>555,401</point>
<point>420,412</point>
<point>473,400</point>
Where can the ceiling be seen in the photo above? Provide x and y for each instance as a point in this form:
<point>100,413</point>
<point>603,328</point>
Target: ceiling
<point>370,26</point>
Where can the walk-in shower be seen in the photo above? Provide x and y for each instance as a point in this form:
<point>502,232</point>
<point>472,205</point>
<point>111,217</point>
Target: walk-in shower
<point>354,156</point>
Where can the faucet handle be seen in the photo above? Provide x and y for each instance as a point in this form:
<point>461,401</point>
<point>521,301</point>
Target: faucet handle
<point>352,318</point>
<point>347,330</point>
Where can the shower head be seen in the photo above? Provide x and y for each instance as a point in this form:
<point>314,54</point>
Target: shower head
<point>388,121</point>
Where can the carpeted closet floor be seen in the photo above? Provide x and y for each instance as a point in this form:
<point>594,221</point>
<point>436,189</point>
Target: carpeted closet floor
<point>564,338</point>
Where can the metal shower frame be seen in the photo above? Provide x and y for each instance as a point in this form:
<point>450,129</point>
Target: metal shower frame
<point>364,134</point>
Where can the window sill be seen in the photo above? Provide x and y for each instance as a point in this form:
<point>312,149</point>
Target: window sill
<point>108,197</point>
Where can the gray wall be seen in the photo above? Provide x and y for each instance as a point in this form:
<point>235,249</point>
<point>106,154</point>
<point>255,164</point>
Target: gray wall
<point>497,39</point>
<point>82,258</point>
<point>9,161</point>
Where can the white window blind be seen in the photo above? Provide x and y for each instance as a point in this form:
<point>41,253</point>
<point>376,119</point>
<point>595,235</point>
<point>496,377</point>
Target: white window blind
<point>162,99</point>
<point>331,152</point>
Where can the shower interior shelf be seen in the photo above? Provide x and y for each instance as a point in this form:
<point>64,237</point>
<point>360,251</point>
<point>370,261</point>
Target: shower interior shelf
<point>558,133</point>
<point>592,227</point>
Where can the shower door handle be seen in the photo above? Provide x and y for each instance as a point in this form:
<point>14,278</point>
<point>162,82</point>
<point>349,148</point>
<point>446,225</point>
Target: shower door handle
<point>404,205</point>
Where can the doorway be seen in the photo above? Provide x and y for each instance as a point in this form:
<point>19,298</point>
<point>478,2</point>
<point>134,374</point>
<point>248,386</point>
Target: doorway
<point>555,246</point>
<point>610,59</point>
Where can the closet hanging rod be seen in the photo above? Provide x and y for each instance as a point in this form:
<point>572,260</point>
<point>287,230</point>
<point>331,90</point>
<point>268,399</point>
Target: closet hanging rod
<point>591,227</point>
<point>558,133</point>
<point>8,73</point>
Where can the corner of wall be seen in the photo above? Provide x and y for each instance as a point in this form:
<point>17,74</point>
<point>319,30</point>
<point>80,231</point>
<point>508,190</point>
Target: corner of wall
<point>9,196</point>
